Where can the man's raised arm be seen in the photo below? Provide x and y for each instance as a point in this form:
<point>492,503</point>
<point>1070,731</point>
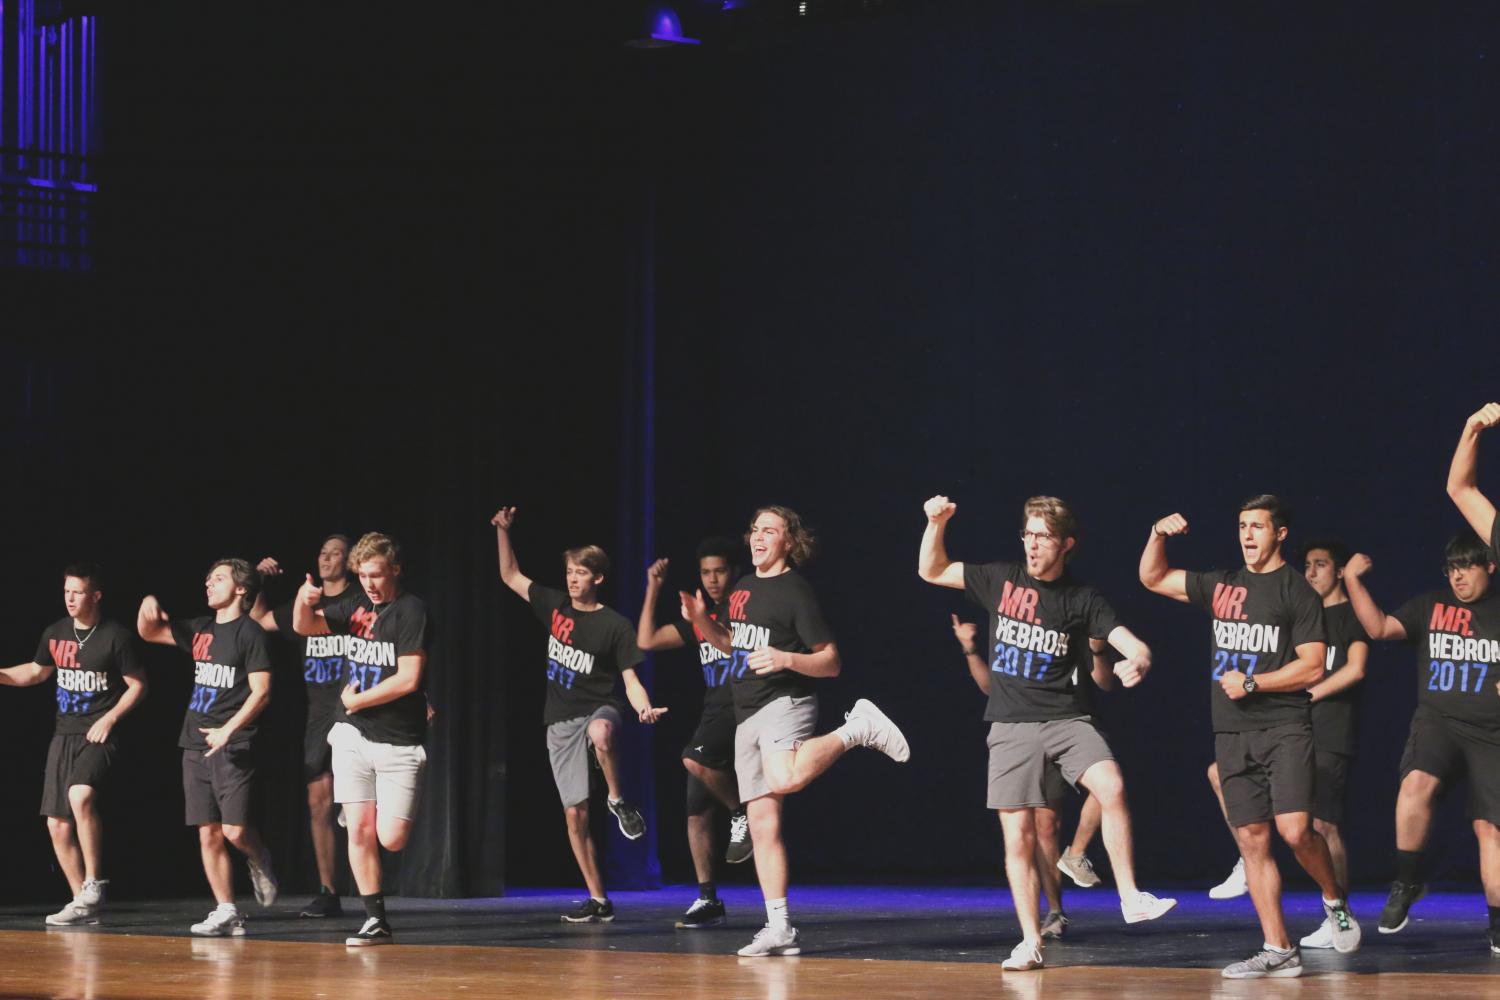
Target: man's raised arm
<point>647,635</point>
<point>1463,481</point>
<point>933,564</point>
<point>1375,622</point>
<point>510,570</point>
<point>306,619</point>
<point>152,622</point>
<point>1156,575</point>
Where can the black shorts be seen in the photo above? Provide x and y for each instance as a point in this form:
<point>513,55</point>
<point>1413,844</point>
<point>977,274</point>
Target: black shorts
<point>217,789</point>
<point>1266,772</point>
<point>73,760</point>
<point>1333,783</point>
<point>1449,749</point>
<point>712,744</point>
<point>317,755</point>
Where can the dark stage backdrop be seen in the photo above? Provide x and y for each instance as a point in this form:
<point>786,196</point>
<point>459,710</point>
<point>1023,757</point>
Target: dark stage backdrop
<point>1146,257</point>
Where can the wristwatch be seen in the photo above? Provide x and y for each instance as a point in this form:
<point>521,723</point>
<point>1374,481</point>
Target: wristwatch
<point>1249,685</point>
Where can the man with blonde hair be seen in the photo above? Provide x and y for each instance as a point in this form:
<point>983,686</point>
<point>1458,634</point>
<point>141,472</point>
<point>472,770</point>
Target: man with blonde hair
<point>378,757</point>
<point>1043,631</point>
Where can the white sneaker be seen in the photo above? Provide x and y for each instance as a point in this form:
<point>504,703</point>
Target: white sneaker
<point>772,941</point>
<point>1023,958</point>
<point>1234,885</point>
<point>93,891</point>
<point>1144,906</point>
<point>874,729</point>
<point>1266,964</point>
<point>225,920</point>
<point>75,914</point>
<point>1343,929</point>
<point>263,880</point>
<point>1320,938</point>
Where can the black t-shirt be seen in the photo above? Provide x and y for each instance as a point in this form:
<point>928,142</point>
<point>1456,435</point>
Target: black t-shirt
<point>586,650</point>
<point>377,638</point>
<point>1458,654</point>
<point>90,674</point>
<point>781,612</point>
<point>1038,650</point>
<point>1333,717</point>
<point>716,666</point>
<point>1259,621</point>
<point>224,655</point>
<point>322,658</point>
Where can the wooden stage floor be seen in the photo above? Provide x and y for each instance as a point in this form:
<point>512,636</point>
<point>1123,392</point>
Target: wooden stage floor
<point>862,942</point>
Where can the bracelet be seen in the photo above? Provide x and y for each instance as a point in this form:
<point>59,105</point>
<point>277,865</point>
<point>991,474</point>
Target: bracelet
<point>971,651</point>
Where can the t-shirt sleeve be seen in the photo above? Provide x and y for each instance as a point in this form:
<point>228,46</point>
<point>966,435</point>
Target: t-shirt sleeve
<point>627,653</point>
<point>44,652</point>
<point>981,584</point>
<point>1495,539</point>
<point>1102,619</point>
<point>685,631</point>
<point>411,631</point>
<point>182,634</point>
<point>544,600</point>
<point>1307,615</point>
<point>807,617</point>
<point>1414,616</point>
<point>129,654</point>
<point>1199,588</point>
<point>257,648</point>
<point>1354,631</point>
<point>282,616</point>
<point>336,613</point>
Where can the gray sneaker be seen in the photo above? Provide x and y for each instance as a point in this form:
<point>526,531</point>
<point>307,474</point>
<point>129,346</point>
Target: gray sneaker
<point>93,891</point>
<point>1343,928</point>
<point>1053,925</point>
<point>76,914</point>
<point>1079,868</point>
<point>873,728</point>
<point>224,920</point>
<point>263,880</point>
<point>772,941</point>
<point>1267,964</point>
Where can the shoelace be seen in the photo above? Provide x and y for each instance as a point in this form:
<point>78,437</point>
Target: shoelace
<point>739,827</point>
<point>1341,914</point>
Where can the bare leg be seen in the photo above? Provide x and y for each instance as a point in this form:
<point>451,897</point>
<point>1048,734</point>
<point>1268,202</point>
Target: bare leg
<point>1489,859</point>
<point>216,862</point>
<point>1311,851</point>
<point>65,846</point>
<point>700,835</point>
<point>1088,825</point>
<point>393,832</point>
<point>1213,780</point>
<point>1105,783</point>
<point>89,826</point>
<point>1414,809</point>
<point>364,847</point>
<point>1018,826</point>
<point>721,783</point>
<point>582,842</point>
<point>1046,858</point>
<point>770,850</point>
<point>1264,881</point>
<point>320,822</point>
<point>602,735</point>
<point>791,771</point>
<point>246,839</point>
<point>1335,840</point>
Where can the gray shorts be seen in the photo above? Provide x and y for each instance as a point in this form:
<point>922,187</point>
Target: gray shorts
<point>387,774</point>
<point>568,746</point>
<point>1022,754</point>
<point>778,726</point>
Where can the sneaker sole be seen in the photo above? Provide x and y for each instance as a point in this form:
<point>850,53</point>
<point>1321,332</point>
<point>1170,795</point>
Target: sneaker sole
<point>357,942</point>
<point>73,923</point>
<point>786,952</point>
<point>683,925</point>
<point>237,932</point>
<point>1278,974</point>
<point>1140,918</point>
<point>586,920</point>
<point>1028,967</point>
<point>1214,893</point>
<point>739,861</point>
<point>1076,880</point>
<point>320,916</point>
<point>1398,928</point>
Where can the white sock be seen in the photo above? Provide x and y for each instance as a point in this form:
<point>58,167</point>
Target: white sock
<point>601,900</point>
<point>1271,947</point>
<point>846,732</point>
<point>614,801</point>
<point>777,915</point>
<point>1332,902</point>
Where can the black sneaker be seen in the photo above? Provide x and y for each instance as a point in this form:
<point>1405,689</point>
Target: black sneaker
<point>1495,940</point>
<point>324,904</point>
<point>703,913</point>
<point>631,824</point>
<point>741,847</point>
<point>591,912</point>
<point>1403,896</point>
<point>375,931</point>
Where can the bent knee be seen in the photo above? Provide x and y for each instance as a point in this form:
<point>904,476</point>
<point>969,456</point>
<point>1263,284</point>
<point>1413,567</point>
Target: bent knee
<point>601,733</point>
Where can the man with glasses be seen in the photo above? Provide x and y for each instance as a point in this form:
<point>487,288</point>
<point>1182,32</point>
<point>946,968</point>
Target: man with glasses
<point>1043,630</point>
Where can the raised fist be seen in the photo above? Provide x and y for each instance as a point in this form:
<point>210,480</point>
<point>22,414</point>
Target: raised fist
<point>1358,565</point>
<point>939,509</point>
<point>657,572</point>
<point>268,567</point>
<point>504,518</point>
<point>1172,524</point>
<point>1485,417</point>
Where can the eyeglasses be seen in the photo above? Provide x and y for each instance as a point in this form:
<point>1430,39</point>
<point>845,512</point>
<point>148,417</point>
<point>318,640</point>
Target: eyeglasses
<point>1450,568</point>
<point>1040,537</point>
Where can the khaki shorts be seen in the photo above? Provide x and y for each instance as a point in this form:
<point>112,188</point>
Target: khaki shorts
<point>778,726</point>
<point>387,774</point>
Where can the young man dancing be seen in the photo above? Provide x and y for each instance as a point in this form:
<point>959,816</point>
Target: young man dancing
<point>780,644</point>
<point>99,680</point>
<point>1268,648</point>
<point>588,646</point>
<point>378,757</point>
<point>323,678</point>
<point>1042,626</point>
<point>232,686</point>
<point>709,755</point>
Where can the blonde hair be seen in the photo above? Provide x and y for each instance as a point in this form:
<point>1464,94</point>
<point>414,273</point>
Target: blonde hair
<point>1061,520</point>
<point>374,545</point>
